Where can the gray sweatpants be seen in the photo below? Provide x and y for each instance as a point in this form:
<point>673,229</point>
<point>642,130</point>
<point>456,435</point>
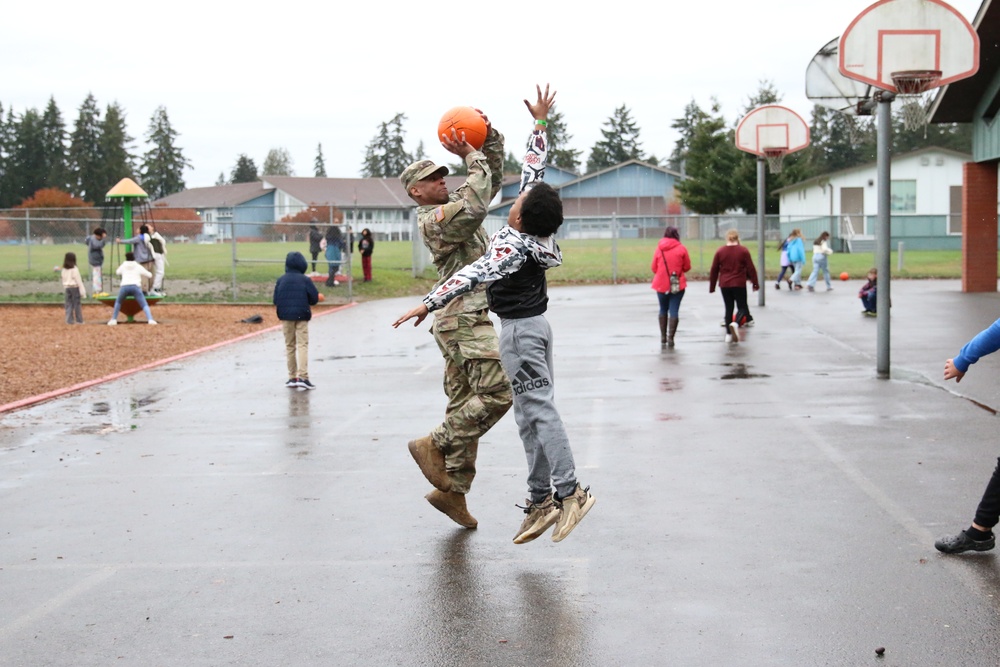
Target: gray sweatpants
<point>526,355</point>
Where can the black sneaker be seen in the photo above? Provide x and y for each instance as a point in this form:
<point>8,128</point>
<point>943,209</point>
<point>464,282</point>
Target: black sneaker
<point>305,383</point>
<point>292,383</point>
<point>957,544</point>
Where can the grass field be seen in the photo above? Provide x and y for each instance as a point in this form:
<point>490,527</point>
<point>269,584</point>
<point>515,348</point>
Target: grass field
<point>259,264</point>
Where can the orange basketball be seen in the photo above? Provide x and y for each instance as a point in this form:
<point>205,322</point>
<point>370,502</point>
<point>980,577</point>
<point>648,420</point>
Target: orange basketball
<point>321,297</point>
<point>844,276</point>
<point>464,119</point>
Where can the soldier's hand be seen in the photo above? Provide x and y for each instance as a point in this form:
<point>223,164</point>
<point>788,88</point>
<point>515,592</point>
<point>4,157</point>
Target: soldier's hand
<point>540,109</point>
<point>486,120</point>
<point>456,144</point>
<point>420,312</point>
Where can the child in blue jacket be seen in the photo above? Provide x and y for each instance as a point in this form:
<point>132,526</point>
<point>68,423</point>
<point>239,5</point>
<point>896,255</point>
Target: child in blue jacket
<point>294,293</point>
<point>979,536</point>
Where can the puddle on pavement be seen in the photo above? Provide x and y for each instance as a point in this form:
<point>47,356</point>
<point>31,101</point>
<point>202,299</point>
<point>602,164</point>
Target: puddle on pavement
<point>671,384</point>
<point>740,371</point>
<point>664,417</point>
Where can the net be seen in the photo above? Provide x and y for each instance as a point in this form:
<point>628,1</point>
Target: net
<point>775,159</point>
<point>915,89</point>
<point>858,127</point>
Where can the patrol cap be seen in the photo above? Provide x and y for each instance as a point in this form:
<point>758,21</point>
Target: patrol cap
<point>418,171</point>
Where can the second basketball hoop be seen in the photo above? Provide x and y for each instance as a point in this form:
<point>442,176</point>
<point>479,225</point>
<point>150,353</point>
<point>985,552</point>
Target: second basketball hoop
<point>772,132</point>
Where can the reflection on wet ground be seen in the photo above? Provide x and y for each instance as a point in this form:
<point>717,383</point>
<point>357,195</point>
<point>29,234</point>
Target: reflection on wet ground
<point>740,372</point>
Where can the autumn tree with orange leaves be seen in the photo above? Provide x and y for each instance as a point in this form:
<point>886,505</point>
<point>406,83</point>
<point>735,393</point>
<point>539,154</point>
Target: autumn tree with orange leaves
<point>296,227</point>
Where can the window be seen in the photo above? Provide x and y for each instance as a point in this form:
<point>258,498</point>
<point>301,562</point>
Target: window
<point>903,197</point>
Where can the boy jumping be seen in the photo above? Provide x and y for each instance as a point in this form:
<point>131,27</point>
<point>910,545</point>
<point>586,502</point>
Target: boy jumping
<point>514,267</point>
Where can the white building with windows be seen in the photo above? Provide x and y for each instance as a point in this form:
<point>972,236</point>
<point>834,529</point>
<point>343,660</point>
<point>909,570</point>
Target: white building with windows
<point>926,202</point>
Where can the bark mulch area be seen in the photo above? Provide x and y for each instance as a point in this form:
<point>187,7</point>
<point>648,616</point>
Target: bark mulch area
<point>41,353</point>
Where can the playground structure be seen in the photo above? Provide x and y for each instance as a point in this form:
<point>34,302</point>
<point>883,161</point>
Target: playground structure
<point>128,201</point>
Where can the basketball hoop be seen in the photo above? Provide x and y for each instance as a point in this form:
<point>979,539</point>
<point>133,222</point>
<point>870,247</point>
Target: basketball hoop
<point>775,158</point>
<point>914,90</point>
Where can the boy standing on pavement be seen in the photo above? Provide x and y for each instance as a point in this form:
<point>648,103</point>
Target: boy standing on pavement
<point>478,391</point>
<point>294,294</point>
<point>514,266</point>
<point>979,536</point>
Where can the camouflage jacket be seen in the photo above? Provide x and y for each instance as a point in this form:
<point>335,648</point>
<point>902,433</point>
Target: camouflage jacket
<point>453,232</point>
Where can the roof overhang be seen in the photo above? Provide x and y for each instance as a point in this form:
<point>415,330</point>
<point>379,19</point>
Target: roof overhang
<point>957,102</point>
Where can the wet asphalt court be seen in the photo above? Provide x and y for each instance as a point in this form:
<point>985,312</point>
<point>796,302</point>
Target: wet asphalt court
<point>769,503</point>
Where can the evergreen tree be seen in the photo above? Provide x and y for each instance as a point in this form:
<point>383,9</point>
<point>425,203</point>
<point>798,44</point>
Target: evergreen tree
<point>710,160</point>
<point>116,160</point>
<point>421,152</point>
<point>512,164</point>
<point>686,126</point>
<point>319,166</point>
<point>27,163</point>
<point>620,142</point>
<point>560,154</point>
<point>221,180</point>
<point>385,156</point>
<point>163,164</point>
<point>6,144</point>
<point>55,153</point>
<point>84,152</point>
<point>277,163</point>
<point>245,170</point>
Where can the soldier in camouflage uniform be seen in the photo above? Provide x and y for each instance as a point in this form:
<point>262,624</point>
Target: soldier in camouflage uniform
<point>478,390</point>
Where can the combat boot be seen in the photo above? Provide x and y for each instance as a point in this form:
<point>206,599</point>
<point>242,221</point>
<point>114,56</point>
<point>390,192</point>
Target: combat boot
<point>453,505</point>
<point>431,462</point>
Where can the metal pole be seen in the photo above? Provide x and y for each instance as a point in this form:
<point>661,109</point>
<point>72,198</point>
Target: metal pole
<point>883,231</point>
<point>27,234</point>
<point>232,233</point>
<point>614,248</point>
<point>899,255</point>
<point>761,196</point>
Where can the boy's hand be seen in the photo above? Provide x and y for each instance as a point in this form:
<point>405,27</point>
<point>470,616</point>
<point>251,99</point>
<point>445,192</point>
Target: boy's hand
<point>951,372</point>
<point>420,312</point>
<point>540,109</point>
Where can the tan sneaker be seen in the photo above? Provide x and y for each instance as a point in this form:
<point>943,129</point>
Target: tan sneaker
<point>431,462</point>
<point>453,505</point>
<point>539,518</point>
<point>573,509</point>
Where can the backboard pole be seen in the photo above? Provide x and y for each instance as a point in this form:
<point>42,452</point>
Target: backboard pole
<point>761,197</point>
<point>883,243</point>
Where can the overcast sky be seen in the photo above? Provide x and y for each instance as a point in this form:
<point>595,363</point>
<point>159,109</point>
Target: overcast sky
<point>245,78</point>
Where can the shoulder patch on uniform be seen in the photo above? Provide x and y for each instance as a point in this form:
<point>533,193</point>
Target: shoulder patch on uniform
<point>439,214</point>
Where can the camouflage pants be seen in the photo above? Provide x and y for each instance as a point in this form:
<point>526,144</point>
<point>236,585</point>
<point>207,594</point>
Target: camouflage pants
<point>478,391</point>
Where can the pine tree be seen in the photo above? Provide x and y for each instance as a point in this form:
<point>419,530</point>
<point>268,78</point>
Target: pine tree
<point>221,180</point>
<point>84,152</point>
<point>686,125</point>
<point>117,161</point>
<point>421,152</point>
<point>245,170</point>
<point>385,156</point>
<point>319,166</point>
<point>5,143</point>
<point>277,163</point>
<point>709,162</point>
<point>559,154</point>
<point>620,143</point>
<point>27,164</point>
<point>163,164</point>
<point>54,139</point>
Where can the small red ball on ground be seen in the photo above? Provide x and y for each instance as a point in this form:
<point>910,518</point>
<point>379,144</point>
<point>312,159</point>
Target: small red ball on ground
<point>844,276</point>
<point>322,297</point>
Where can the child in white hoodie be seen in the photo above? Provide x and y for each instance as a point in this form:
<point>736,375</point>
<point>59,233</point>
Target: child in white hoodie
<point>73,287</point>
<point>132,274</point>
